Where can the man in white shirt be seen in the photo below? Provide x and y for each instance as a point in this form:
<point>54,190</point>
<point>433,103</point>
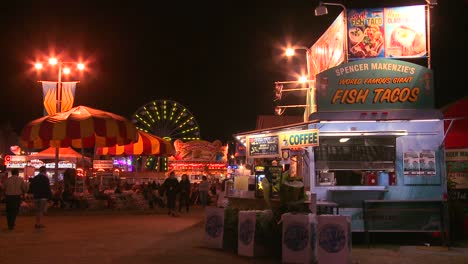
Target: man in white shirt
<point>15,187</point>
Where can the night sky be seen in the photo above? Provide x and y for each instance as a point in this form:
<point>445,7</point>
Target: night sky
<point>219,59</point>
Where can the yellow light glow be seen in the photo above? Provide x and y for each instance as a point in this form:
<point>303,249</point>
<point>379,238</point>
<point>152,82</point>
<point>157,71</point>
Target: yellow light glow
<point>66,70</point>
<point>303,79</point>
<point>290,52</point>
<point>53,61</point>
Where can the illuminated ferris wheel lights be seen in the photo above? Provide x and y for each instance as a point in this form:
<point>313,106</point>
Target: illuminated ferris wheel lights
<point>168,119</point>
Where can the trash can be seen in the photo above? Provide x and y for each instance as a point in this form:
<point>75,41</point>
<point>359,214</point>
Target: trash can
<point>333,239</point>
<point>214,227</point>
<point>299,238</point>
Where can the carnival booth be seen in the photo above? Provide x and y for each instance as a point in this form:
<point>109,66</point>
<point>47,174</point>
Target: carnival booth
<point>127,161</point>
<point>121,178</point>
<point>199,158</point>
<point>29,164</point>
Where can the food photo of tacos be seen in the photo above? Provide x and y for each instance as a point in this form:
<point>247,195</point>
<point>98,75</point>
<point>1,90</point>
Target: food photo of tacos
<point>365,43</point>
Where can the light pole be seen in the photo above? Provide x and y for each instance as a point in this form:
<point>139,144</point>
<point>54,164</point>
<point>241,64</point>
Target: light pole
<point>62,67</point>
<point>310,106</point>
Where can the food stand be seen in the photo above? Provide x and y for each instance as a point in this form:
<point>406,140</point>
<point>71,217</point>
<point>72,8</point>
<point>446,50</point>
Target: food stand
<point>381,140</point>
<point>199,158</point>
<point>381,156</point>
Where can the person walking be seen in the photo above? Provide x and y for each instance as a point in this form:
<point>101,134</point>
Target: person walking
<point>203,189</point>
<point>15,187</point>
<point>40,188</point>
<point>184,196</point>
<point>171,187</point>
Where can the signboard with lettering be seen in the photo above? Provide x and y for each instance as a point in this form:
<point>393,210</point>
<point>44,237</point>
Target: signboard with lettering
<point>457,173</point>
<point>457,167</point>
<point>103,164</point>
<point>12,161</point>
<point>375,84</point>
<point>303,138</point>
<point>263,147</point>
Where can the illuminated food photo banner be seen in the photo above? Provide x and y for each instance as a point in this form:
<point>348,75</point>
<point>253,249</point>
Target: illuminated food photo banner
<point>375,84</point>
<point>328,50</point>
<point>397,32</point>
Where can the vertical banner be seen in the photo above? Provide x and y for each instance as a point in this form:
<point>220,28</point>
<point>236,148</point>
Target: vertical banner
<point>49,90</point>
<point>214,227</point>
<point>246,233</point>
<point>68,95</point>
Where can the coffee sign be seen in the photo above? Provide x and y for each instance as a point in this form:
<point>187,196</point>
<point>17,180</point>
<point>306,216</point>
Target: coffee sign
<point>303,138</point>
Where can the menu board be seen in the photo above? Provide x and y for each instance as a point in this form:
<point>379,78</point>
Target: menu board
<point>263,147</point>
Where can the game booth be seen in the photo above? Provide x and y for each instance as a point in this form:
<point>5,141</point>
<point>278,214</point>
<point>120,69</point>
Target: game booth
<point>199,158</point>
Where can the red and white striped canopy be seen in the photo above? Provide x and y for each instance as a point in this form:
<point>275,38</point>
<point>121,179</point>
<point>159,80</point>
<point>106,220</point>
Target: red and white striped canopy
<point>79,127</point>
<point>147,144</point>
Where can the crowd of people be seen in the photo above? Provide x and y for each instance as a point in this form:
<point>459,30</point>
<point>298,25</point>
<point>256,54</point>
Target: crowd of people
<point>174,195</point>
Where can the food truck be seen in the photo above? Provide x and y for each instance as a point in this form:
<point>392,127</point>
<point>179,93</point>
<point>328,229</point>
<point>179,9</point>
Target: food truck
<point>377,153</point>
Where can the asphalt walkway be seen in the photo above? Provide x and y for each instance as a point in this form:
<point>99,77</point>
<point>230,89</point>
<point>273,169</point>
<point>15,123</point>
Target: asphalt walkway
<point>134,237</point>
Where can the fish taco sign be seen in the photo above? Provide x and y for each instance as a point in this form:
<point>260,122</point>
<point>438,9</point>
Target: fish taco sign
<point>374,84</point>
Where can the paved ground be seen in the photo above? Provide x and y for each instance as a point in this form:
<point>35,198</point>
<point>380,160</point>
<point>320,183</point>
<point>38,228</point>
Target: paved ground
<point>134,238</point>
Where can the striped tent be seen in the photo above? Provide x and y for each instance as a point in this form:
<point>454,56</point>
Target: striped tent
<point>146,145</point>
<point>79,127</point>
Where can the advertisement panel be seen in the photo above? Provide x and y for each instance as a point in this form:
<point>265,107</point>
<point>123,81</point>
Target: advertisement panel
<point>405,32</point>
<point>366,33</point>
<point>396,32</point>
<point>375,84</point>
<point>457,167</point>
<point>328,50</point>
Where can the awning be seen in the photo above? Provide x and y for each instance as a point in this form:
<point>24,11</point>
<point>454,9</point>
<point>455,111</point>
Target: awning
<point>147,144</point>
<point>456,124</point>
<point>64,154</point>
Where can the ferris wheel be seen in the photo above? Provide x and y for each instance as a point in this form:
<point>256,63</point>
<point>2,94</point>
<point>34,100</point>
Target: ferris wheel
<point>167,119</point>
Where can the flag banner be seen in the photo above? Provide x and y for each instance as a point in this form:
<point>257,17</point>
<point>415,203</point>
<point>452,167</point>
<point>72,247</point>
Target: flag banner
<point>49,90</point>
<point>68,95</point>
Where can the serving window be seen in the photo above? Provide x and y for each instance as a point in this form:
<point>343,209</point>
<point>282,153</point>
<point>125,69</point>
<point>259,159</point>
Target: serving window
<point>346,160</point>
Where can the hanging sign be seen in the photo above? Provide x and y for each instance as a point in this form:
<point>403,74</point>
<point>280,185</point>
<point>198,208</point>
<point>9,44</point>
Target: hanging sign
<point>296,139</point>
